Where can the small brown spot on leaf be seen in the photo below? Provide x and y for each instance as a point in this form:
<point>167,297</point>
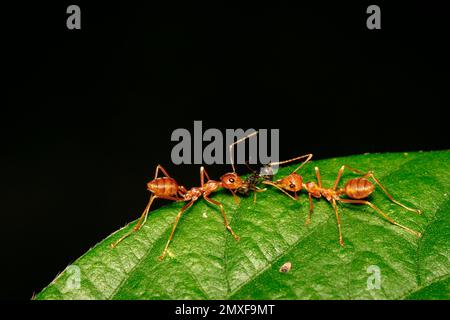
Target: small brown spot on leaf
<point>285,268</point>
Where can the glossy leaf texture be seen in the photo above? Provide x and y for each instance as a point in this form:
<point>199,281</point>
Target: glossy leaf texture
<point>379,260</point>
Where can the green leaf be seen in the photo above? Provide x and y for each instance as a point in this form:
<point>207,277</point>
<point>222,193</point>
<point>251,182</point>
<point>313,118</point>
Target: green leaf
<point>205,262</point>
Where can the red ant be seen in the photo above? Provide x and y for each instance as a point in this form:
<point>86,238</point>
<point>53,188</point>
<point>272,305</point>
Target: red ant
<point>356,189</point>
<point>167,188</point>
<point>292,182</point>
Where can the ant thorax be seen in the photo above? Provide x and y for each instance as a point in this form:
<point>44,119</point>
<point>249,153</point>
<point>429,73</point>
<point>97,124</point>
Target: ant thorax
<point>313,189</point>
<point>211,186</point>
<point>193,194</point>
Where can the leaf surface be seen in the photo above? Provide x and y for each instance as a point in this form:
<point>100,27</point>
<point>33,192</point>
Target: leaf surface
<point>205,262</point>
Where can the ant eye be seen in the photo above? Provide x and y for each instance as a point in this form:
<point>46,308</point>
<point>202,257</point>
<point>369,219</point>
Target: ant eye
<point>231,180</point>
<point>292,186</point>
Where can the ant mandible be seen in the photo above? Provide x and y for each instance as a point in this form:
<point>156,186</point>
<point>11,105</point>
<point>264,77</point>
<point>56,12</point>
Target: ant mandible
<point>167,188</point>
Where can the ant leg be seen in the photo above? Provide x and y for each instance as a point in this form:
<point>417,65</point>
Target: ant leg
<point>255,190</point>
<point>270,183</point>
<point>187,206</point>
<point>418,234</point>
<point>340,172</point>
<point>370,174</point>
<point>319,179</point>
<point>138,224</point>
<point>160,167</point>
<point>311,209</point>
<point>235,197</point>
<point>203,173</point>
<point>227,225</point>
<point>341,241</point>
<point>143,219</point>
<point>144,215</point>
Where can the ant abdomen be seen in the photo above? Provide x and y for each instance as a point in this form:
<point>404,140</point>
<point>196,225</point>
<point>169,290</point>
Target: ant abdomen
<point>163,186</point>
<point>358,188</point>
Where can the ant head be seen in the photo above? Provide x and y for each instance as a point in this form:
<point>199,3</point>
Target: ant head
<point>292,182</point>
<point>231,181</point>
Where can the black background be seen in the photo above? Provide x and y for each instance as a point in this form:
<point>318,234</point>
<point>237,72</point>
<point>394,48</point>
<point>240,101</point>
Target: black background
<point>89,112</point>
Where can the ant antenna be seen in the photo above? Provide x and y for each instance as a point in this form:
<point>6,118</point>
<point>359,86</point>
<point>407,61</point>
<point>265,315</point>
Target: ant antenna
<point>307,156</point>
<point>248,167</point>
<point>239,141</point>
